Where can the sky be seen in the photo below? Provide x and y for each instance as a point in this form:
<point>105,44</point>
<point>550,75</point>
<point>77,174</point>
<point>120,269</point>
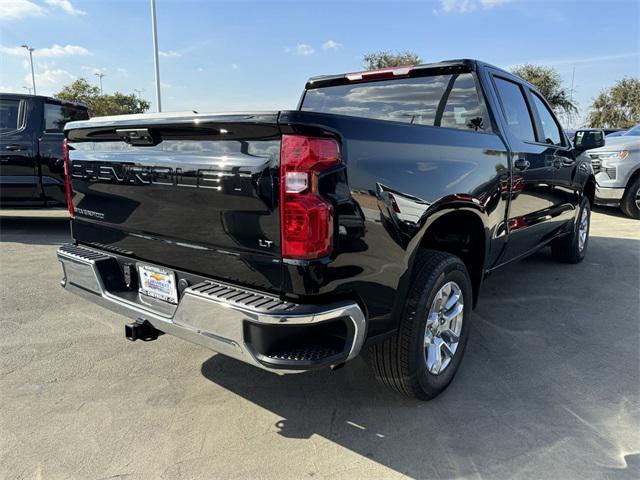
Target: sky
<point>240,55</point>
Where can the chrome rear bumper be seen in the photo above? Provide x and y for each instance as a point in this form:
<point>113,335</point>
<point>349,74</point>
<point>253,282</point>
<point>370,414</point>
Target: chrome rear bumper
<point>214,315</point>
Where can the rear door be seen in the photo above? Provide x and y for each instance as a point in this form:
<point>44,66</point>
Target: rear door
<point>558,150</point>
<point>532,169</point>
<point>18,171</point>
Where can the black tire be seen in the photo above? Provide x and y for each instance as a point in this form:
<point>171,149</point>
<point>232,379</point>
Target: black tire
<point>399,362</point>
<point>567,249</point>
<point>629,204</point>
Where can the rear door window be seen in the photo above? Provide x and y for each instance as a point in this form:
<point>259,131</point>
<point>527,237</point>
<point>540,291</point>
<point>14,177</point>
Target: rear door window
<point>56,116</point>
<point>550,128</point>
<point>450,101</point>
<point>9,115</point>
<point>515,109</point>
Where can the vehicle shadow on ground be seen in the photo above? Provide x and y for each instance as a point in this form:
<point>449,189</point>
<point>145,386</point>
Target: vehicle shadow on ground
<point>35,230</point>
<point>611,211</point>
<point>547,388</point>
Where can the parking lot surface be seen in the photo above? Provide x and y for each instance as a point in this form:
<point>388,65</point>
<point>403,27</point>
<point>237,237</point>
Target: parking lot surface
<point>549,387</point>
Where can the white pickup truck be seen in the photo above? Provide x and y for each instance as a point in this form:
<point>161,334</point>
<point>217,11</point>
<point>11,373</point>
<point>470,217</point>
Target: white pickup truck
<point>617,169</point>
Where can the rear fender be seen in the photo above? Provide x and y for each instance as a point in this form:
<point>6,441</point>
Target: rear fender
<point>445,206</point>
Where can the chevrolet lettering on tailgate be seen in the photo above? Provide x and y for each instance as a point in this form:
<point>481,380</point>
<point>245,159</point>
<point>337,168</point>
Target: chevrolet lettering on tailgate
<point>138,175</point>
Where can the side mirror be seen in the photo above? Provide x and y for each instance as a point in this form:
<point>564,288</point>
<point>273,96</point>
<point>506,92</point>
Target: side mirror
<point>588,139</point>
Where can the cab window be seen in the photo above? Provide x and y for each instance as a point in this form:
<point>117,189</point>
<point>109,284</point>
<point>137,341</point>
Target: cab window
<point>449,100</point>
<point>56,116</point>
<point>9,115</point>
<point>550,129</point>
<point>515,109</point>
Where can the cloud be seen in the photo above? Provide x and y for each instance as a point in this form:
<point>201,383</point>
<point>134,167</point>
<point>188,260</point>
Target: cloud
<point>234,66</point>
<point>302,50</point>
<point>66,6</point>
<point>7,89</point>
<point>13,50</point>
<point>53,51</point>
<point>458,6</point>
<point>40,65</point>
<point>169,53</point>
<point>579,60</point>
<point>59,51</point>
<point>15,9</point>
<point>331,45</point>
<point>51,80</point>
<point>94,70</point>
<point>493,3</point>
<point>467,6</point>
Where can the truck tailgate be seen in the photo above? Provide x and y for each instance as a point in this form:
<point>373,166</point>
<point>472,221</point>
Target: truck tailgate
<point>192,192</point>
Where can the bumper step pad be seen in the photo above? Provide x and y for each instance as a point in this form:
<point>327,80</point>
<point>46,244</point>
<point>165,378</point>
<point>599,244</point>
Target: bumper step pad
<point>311,353</point>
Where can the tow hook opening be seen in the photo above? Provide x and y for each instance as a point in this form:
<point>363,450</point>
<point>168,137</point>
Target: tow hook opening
<point>141,330</point>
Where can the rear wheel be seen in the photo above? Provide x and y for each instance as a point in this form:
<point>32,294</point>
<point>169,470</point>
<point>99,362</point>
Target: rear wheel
<point>572,248</point>
<point>421,359</point>
<point>630,203</point>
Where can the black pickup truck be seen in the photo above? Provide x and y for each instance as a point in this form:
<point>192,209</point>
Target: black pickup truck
<point>363,222</point>
<point>31,134</point>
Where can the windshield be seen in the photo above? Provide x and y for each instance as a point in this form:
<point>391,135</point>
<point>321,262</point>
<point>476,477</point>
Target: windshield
<point>634,132</point>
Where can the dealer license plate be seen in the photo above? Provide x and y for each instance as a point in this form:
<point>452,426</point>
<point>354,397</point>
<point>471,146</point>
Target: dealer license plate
<point>158,283</point>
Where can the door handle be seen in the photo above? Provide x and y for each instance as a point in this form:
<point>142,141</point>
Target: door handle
<point>13,147</point>
<point>521,164</point>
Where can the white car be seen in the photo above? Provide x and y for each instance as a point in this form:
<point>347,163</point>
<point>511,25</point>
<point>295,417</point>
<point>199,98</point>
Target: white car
<point>617,169</point>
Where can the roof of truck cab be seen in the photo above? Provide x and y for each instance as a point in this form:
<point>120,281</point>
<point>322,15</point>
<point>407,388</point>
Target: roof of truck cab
<point>43,98</point>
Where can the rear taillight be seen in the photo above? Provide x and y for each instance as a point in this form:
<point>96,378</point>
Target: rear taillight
<point>306,217</point>
<point>67,176</point>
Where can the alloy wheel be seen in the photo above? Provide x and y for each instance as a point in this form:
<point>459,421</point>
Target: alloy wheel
<point>583,229</point>
<point>444,326</point>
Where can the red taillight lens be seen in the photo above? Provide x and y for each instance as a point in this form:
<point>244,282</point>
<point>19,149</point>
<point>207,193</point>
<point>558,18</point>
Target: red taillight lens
<point>306,218</point>
<point>67,176</point>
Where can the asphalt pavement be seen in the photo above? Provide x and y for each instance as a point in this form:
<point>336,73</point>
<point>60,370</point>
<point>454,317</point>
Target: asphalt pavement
<point>549,387</point>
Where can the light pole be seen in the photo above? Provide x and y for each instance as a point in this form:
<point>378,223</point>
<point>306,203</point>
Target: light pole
<point>99,75</point>
<point>33,75</point>
<point>154,30</point>
<point>28,89</point>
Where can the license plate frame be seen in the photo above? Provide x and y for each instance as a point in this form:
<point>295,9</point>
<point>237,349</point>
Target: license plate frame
<point>158,283</point>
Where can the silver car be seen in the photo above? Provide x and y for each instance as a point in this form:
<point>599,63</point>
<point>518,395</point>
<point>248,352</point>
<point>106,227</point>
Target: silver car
<point>617,169</point>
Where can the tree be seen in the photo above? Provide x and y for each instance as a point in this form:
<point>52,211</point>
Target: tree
<point>78,91</point>
<point>99,105</point>
<point>385,58</point>
<point>617,107</point>
<point>547,80</point>
<point>119,104</point>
